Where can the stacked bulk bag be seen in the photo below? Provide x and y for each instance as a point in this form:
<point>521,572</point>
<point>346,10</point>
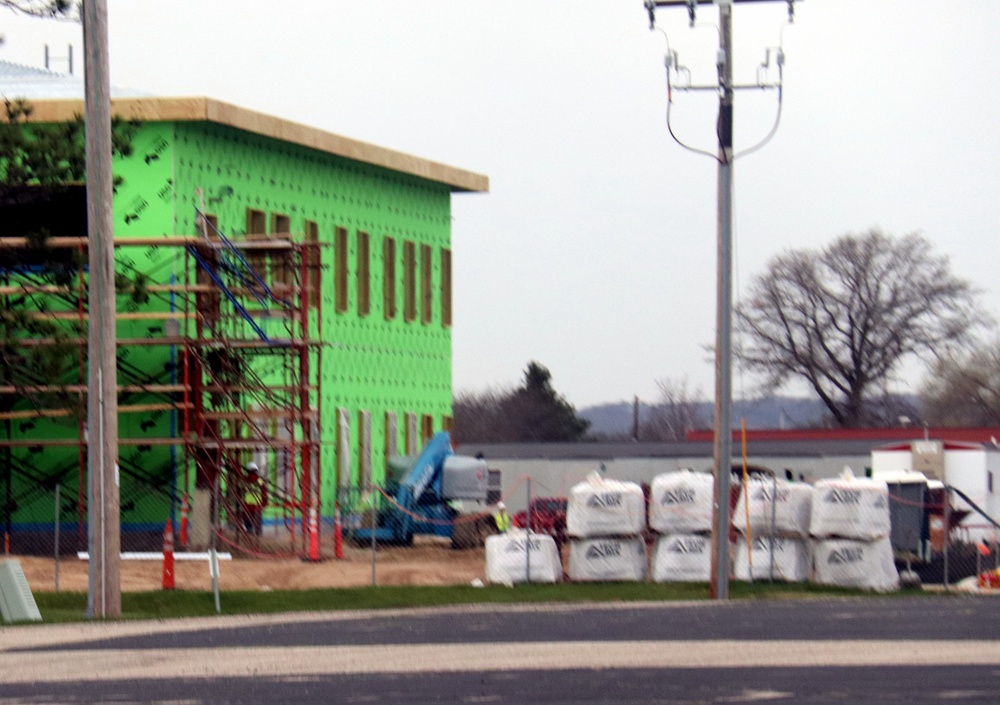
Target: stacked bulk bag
<point>604,521</point>
<point>789,558</point>
<point>861,564</point>
<point>602,507</point>
<point>683,558</point>
<point>850,507</point>
<point>515,556</point>
<point>621,559</point>
<point>778,514</point>
<point>681,502</point>
<point>788,505</point>
<point>850,529</point>
<point>680,510</point>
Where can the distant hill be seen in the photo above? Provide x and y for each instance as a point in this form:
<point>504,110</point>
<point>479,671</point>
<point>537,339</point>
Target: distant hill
<point>615,419</point>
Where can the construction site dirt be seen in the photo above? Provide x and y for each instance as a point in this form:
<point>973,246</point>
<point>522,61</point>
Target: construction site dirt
<point>427,562</point>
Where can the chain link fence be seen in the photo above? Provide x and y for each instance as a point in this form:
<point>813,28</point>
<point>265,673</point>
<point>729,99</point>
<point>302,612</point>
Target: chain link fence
<point>781,532</point>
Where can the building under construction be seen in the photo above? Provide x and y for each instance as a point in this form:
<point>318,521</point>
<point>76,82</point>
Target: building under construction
<point>295,313</point>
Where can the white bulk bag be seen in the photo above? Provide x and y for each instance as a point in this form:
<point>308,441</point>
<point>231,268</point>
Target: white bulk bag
<point>681,502</point>
<point>683,558</point>
<point>858,564</point>
<point>608,559</point>
<point>508,559</point>
<point>789,504</point>
<point>602,507</point>
<point>791,559</point>
<point>850,508</point>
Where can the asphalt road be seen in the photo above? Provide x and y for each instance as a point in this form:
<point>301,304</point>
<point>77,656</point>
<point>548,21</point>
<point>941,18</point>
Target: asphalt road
<point>878,650</point>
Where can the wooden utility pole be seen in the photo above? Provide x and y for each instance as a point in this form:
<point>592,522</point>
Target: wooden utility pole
<point>104,593</point>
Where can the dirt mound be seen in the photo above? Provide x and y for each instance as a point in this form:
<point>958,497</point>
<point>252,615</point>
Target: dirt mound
<point>427,562</point>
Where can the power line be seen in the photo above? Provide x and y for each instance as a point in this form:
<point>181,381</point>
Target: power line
<point>722,445</point>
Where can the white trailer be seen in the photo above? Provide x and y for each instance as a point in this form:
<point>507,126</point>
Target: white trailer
<point>972,468</point>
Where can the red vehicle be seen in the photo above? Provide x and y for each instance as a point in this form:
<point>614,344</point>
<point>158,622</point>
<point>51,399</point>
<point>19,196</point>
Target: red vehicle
<point>548,516</point>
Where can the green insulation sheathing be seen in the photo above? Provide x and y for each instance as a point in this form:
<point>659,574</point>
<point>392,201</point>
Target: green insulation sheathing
<point>370,364</point>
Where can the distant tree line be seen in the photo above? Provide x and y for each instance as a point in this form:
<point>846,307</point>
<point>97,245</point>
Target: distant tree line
<point>842,321</point>
<point>530,412</point>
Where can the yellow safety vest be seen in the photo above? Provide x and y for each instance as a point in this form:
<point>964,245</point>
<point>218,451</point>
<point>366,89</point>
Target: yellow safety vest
<point>254,495</point>
<point>502,519</point>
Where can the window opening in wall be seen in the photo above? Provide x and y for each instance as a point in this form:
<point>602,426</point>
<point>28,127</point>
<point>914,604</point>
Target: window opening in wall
<point>27,209</point>
<point>391,435</point>
<point>364,274</point>
<point>256,222</point>
<point>281,224</point>
<point>411,433</point>
<point>365,447</point>
<point>389,278</point>
<point>281,260</point>
<point>340,255</point>
<point>409,281</point>
<point>446,288</point>
<point>426,427</point>
<point>209,228</point>
<point>448,424</point>
<point>257,230</point>
<point>207,301</point>
<point>426,294</point>
<point>343,448</point>
<point>989,482</point>
<point>313,261</point>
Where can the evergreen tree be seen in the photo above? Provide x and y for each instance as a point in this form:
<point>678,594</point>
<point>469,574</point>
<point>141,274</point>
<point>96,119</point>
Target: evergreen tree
<point>532,412</point>
<point>541,413</point>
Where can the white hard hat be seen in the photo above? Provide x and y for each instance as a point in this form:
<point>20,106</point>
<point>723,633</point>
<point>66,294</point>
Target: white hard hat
<point>252,466</point>
<point>500,505</point>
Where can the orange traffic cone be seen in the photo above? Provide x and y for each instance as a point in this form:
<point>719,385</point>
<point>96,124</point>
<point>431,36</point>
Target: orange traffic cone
<point>338,533</point>
<point>313,535</point>
<point>168,556</point>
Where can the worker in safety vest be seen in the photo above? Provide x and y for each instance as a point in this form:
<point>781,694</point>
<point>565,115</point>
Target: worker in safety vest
<point>254,500</point>
<point>501,518</point>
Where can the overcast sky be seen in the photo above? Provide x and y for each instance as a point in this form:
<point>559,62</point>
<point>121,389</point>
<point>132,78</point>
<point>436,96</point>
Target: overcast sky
<point>594,252</point>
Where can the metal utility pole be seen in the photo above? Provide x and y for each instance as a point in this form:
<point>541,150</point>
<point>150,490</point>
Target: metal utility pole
<point>722,451</point>
<point>104,535</point>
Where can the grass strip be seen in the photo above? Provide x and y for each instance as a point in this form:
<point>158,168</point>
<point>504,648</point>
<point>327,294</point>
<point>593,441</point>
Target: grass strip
<point>173,604</point>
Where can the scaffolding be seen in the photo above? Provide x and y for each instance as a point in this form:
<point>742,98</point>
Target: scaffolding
<point>228,363</point>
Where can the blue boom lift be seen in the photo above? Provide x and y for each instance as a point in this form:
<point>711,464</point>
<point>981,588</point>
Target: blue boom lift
<point>436,477</point>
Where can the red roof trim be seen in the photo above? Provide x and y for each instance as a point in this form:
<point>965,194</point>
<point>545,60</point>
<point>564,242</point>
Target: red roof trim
<point>948,445</point>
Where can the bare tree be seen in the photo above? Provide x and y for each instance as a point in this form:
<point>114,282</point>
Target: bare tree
<point>62,9</point>
<point>40,8</point>
<point>844,318</point>
<point>677,412</point>
<point>481,417</point>
<point>964,390</point>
